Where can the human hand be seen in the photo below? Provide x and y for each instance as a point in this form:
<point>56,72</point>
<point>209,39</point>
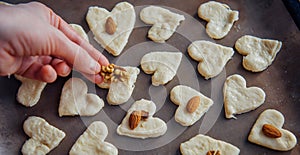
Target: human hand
<point>36,43</point>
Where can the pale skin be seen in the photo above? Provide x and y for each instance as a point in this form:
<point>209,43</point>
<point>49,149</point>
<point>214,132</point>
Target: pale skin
<point>38,44</point>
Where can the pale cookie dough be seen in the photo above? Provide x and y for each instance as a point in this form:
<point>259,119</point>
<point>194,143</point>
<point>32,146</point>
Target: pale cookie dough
<point>163,21</point>
<point>151,127</point>
<point>258,53</point>
<point>75,100</point>
<point>4,3</point>
<point>123,15</point>
<point>181,95</point>
<point>212,57</point>
<point>30,91</point>
<point>79,30</point>
<point>286,142</point>
<point>201,144</point>
<point>163,66</point>
<point>120,92</point>
<point>238,98</point>
<point>43,136</point>
<point>91,142</point>
<point>220,18</point>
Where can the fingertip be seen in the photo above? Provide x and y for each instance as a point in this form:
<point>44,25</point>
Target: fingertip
<point>47,74</point>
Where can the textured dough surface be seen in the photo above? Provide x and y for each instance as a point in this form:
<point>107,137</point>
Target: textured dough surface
<point>220,18</point>
<point>164,65</point>
<point>163,21</point>
<point>258,53</point>
<point>180,95</point>
<point>201,144</point>
<point>212,57</point>
<point>79,30</point>
<point>152,127</point>
<point>240,99</point>
<point>91,142</point>
<point>270,116</point>
<point>123,15</point>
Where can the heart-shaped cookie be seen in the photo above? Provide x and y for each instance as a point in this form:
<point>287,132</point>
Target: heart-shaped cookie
<point>258,135</point>
<point>181,95</point>
<point>220,18</point>
<point>92,141</point>
<point>30,91</point>
<point>43,136</point>
<point>112,29</point>
<point>143,124</point>
<point>205,145</point>
<point>79,30</point>
<point>75,100</point>
<point>258,53</point>
<point>212,57</point>
<point>164,65</point>
<point>163,21</point>
<point>240,99</point>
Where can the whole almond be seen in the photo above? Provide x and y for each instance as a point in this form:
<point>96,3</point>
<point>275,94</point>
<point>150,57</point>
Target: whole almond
<point>134,119</point>
<point>193,104</point>
<point>271,131</point>
<point>110,26</point>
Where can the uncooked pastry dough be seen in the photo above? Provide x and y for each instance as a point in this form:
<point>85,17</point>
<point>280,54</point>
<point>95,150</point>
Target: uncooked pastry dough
<point>79,30</point>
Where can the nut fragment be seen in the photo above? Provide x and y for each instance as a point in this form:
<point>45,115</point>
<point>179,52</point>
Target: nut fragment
<point>135,118</point>
<point>213,153</point>
<point>193,104</point>
<point>271,131</point>
<point>110,26</point>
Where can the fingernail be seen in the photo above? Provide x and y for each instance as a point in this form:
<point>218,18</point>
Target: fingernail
<point>95,67</point>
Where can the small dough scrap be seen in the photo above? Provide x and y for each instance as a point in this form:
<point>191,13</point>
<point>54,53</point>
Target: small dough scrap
<point>273,117</point>
<point>30,91</point>
<point>79,30</point>
<point>43,136</point>
<point>258,53</point>
<point>91,142</point>
<point>75,100</point>
<point>151,127</point>
<point>164,22</point>
<point>123,15</point>
<point>120,92</point>
<point>164,65</point>
<point>201,144</point>
<point>238,98</point>
<point>220,18</point>
<point>180,95</point>
<point>212,57</point>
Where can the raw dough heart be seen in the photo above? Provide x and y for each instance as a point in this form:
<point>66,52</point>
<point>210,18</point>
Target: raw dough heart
<point>164,22</point>
<point>180,95</point>
<point>123,15</point>
<point>220,18</point>
<point>30,91</point>
<point>79,30</point>
<point>164,65</point>
<point>270,116</point>
<point>240,99</point>
<point>201,144</point>
<point>91,142</point>
<point>75,100</point>
<point>212,57</point>
<point>151,127</point>
<point>120,92</point>
<point>258,53</point>
<point>43,136</point>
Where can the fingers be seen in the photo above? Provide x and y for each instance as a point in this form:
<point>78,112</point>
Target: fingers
<point>61,67</point>
<point>37,71</point>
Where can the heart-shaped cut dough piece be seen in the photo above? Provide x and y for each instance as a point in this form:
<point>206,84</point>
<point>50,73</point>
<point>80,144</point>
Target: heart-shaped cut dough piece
<point>258,53</point>
<point>120,92</point>
<point>43,136</point>
<point>30,91</point>
<point>286,142</point>
<point>163,21</point>
<point>180,95</point>
<point>79,30</point>
<point>151,127</point>
<point>238,98</point>
<point>164,65</point>
<point>92,141</point>
<point>201,144</point>
<point>220,18</point>
<point>75,100</point>
<point>212,57</point>
<point>123,15</point>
